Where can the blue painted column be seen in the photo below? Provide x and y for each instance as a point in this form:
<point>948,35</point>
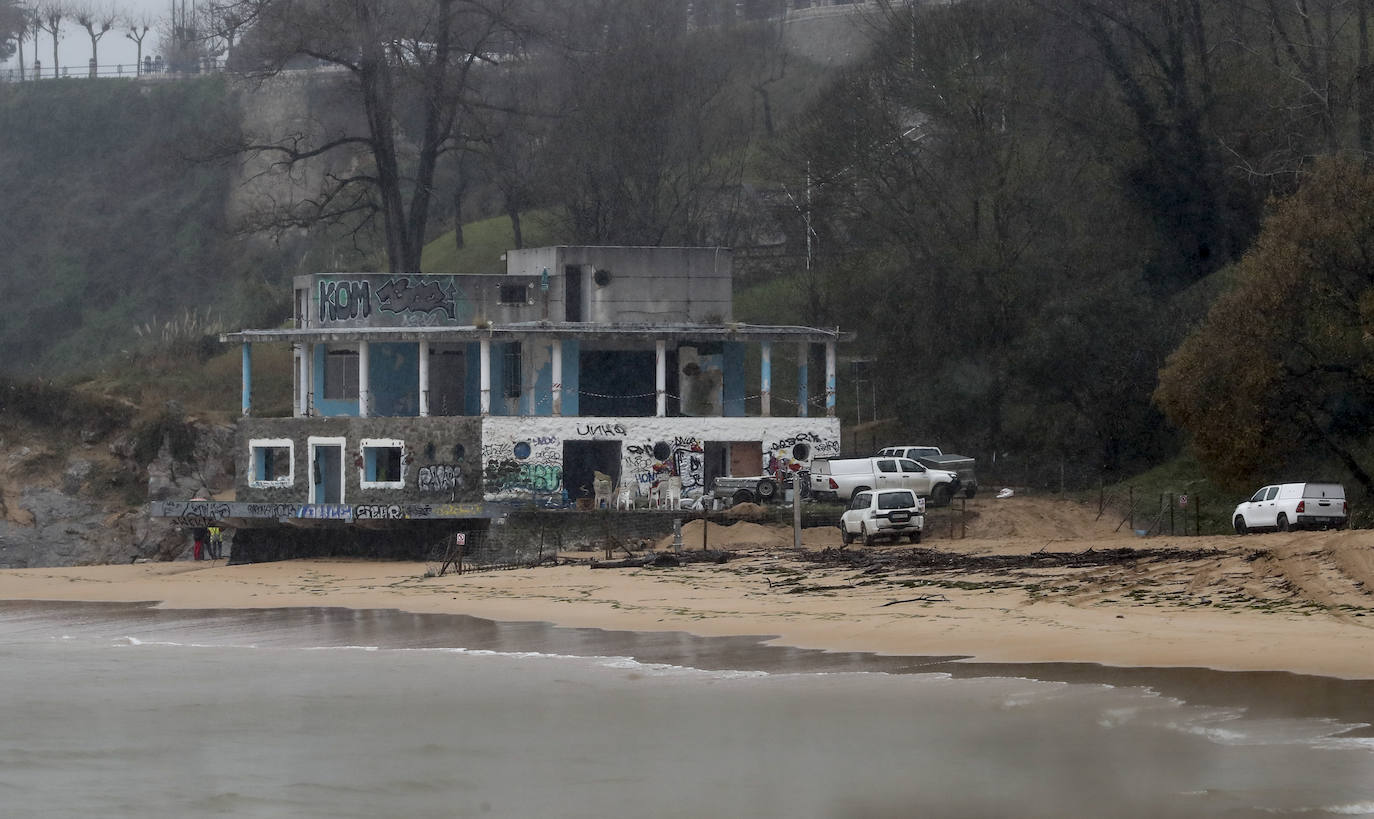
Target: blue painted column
<point>247,378</point>
<point>803,376</point>
<point>830,379</point>
<point>766,379</point>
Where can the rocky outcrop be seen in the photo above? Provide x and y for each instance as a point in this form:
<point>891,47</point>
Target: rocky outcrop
<point>88,507</point>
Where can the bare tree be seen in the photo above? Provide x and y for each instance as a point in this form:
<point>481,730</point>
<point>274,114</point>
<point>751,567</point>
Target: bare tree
<point>50,17</point>
<point>225,22</point>
<point>411,67</point>
<point>97,18</point>
<point>137,28</point>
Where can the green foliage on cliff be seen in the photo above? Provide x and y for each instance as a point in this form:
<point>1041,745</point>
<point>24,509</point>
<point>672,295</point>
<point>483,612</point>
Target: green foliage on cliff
<point>108,223</point>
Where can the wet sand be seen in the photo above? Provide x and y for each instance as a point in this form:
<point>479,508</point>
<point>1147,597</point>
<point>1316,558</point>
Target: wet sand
<point>758,593</point>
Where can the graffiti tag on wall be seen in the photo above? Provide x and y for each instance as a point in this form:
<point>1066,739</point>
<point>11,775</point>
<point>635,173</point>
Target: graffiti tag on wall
<point>344,300</point>
<point>350,299</point>
<point>401,295</point>
<point>509,475</point>
<point>440,477</point>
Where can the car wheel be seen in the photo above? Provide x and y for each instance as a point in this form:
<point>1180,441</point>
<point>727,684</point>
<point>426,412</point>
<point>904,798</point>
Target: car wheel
<point>940,496</point>
<point>845,536</point>
<point>867,536</point>
<point>741,496</point>
<point>914,537</point>
<point>767,490</point>
<point>1241,528</point>
<point>969,492</point>
<point>1283,523</point>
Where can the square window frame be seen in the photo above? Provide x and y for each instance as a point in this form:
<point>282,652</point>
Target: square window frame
<point>255,444</point>
<point>380,443</point>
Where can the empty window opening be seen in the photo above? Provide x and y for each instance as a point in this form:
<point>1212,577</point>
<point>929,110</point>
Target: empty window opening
<point>514,294</point>
<point>447,375</point>
<point>622,383</point>
<point>382,464</point>
<point>270,463</point>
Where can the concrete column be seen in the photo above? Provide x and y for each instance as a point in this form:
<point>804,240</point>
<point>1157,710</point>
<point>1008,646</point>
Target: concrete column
<point>247,378</point>
<point>486,375</point>
<point>309,379</point>
<point>556,364</point>
<point>766,379</point>
<point>803,354</point>
<point>298,353</point>
<point>424,379</point>
<point>364,374</point>
<point>830,379</point>
<point>661,378</point>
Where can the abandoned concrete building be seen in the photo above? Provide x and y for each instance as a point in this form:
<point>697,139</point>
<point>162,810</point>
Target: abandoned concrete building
<point>579,377</point>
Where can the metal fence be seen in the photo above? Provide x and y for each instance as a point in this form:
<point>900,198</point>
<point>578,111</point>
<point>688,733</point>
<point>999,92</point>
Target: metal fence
<point>148,69</point>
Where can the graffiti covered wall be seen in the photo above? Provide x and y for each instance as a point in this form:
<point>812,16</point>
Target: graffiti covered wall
<point>524,458</point>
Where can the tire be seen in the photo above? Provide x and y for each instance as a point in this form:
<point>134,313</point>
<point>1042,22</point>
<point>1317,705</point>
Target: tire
<point>741,496</point>
<point>914,537</point>
<point>846,537</point>
<point>1239,523</point>
<point>869,539</point>
<point>940,496</point>
<point>1283,523</point>
<point>766,490</point>
<point>970,491</point>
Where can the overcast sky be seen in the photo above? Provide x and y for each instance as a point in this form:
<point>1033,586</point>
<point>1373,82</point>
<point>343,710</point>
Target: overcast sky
<point>74,48</point>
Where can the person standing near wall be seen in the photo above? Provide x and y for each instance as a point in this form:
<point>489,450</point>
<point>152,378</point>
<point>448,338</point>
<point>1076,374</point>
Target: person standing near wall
<point>216,542</point>
<point>199,534</point>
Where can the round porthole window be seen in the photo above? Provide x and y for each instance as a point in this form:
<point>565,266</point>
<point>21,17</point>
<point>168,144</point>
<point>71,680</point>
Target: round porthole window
<point>662,451</point>
<point>602,277</point>
<point>522,450</point>
<point>801,452</point>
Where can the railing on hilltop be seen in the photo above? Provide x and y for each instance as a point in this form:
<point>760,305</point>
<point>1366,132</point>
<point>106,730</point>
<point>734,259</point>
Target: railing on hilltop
<point>149,69</point>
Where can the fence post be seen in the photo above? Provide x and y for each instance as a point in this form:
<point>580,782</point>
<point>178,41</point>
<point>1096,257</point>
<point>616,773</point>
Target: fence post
<point>1132,511</point>
<point>704,521</point>
<point>1171,514</point>
<point>963,518</point>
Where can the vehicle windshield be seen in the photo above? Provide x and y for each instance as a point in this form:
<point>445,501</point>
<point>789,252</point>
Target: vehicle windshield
<point>896,500</point>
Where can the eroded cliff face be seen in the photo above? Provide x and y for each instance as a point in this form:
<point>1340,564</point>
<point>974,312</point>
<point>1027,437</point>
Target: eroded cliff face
<point>82,501</point>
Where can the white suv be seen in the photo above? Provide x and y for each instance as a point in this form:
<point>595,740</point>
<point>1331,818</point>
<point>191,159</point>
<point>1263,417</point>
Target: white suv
<point>1293,506</point>
<point>888,513</point>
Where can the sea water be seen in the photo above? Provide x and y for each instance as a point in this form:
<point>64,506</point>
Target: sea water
<point>136,711</point>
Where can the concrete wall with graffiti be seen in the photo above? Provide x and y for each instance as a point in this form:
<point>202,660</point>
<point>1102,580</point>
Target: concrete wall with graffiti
<point>342,300</point>
<point>532,457</point>
<point>438,463</point>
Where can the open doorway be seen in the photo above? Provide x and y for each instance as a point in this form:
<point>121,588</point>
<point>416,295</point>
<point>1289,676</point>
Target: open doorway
<point>582,459</point>
<point>326,470</point>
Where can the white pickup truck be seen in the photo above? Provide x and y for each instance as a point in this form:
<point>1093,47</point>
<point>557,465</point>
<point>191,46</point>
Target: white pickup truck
<point>932,457</point>
<point>841,477</point>
<point>1288,506</point>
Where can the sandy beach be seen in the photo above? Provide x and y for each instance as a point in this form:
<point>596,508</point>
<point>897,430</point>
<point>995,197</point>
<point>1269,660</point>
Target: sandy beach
<point>1034,581</point>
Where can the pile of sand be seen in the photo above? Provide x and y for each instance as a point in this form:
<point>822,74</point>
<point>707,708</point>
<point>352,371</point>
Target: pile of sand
<point>735,536</point>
